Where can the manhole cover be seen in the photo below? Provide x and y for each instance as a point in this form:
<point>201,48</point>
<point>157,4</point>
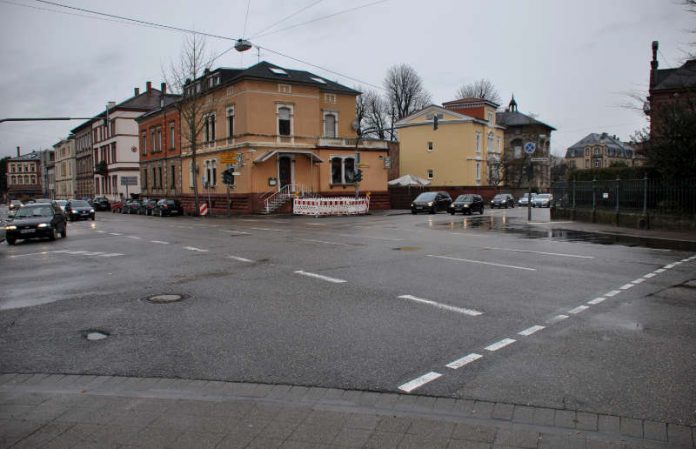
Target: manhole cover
<point>94,335</point>
<point>407,248</point>
<point>165,298</point>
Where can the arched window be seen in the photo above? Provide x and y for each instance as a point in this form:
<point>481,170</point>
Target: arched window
<point>516,148</point>
<point>490,142</point>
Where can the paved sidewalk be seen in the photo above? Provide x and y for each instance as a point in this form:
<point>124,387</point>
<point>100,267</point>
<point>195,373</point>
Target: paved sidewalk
<point>74,411</point>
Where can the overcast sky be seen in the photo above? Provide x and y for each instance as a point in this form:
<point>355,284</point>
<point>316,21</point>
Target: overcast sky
<point>571,63</point>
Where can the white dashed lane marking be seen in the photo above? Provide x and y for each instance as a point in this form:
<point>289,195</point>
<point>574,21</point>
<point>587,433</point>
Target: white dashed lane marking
<point>596,300</point>
<point>192,248</point>
<point>159,242</point>
<point>500,344</point>
<point>638,281</point>
<point>134,237</point>
<point>649,275</point>
<point>543,253</point>
<point>578,309</point>
<point>419,382</point>
<point>557,318</point>
<point>438,305</point>
<point>464,361</point>
<point>457,259</point>
<point>114,233</point>
<point>319,276</point>
<point>240,259</point>
<point>529,331</point>
<point>626,286</point>
<point>612,293</point>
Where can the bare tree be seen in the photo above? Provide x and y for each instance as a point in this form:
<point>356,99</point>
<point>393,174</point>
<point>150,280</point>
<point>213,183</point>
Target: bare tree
<point>405,93</point>
<point>482,88</point>
<point>181,77</point>
<point>372,115</point>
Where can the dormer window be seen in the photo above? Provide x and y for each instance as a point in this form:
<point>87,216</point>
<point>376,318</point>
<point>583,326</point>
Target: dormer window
<point>278,71</point>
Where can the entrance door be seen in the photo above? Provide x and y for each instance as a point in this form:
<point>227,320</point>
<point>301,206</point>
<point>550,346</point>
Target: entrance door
<point>284,171</point>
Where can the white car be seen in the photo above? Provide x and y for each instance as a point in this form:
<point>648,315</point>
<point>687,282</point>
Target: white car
<point>542,200</point>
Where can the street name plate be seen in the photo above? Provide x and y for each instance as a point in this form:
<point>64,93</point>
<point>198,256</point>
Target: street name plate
<point>540,159</point>
<point>129,180</point>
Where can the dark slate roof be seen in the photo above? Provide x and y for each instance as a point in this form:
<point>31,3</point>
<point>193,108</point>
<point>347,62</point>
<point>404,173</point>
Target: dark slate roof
<point>169,99</point>
<point>262,70</point>
<point>516,118</point>
<point>613,144</point>
<point>683,77</point>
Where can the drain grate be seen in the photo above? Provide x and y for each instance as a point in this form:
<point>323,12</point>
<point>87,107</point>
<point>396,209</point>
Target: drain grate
<point>165,298</point>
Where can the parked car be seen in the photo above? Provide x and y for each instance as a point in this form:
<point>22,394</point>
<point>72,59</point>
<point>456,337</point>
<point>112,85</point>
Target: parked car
<point>467,204</point>
<point>542,200</point>
<point>523,201</point>
<point>79,210</point>
<point>101,203</point>
<point>36,221</point>
<point>133,206</point>
<point>61,204</point>
<point>167,207</point>
<point>502,200</point>
<point>147,206</point>
<point>431,202</point>
<point>15,204</point>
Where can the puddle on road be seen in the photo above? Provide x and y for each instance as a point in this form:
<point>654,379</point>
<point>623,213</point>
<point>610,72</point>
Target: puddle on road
<point>521,229</point>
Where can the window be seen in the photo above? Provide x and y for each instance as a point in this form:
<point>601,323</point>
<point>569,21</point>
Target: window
<point>330,125</point>
<point>330,98</point>
<point>158,140</point>
<point>172,136</point>
<point>490,118</point>
<point>159,177</point>
<point>143,142</point>
<point>478,142</point>
<point>173,176</point>
<point>478,171</point>
<point>211,172</point>
<point>430,146</point>
<point>230,124</point>
<point>318,80</point>
<point>430,173</point>
<point>154,178</point>
<point>598,163</point>
<point>113,152</point>
<point>500,149</point>
<point>342,170</point>
<point>209,128</point>
<point>192,176</point>
<point>598,151</point>
<point>490,142</point>
<point>284,121</point>
<point>284,88</point>
<point>278,71</point>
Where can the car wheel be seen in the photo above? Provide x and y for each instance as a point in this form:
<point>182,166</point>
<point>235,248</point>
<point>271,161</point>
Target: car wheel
<point>161,214</point>
<point>413,212</point>
<point>11,241</point>
<point>64,232</point>
<point>53,235</point>
<point>432,210</point>
<point>94,217</point>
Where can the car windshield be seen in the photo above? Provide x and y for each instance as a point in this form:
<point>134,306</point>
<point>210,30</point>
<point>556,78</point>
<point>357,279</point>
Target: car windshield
<point>79,203</point>
<point>544,196</point>
<point>427,196</point>
<point>61,202</point>
<point>500,197</point>
<point>26,212</point>
<point>464,198</point>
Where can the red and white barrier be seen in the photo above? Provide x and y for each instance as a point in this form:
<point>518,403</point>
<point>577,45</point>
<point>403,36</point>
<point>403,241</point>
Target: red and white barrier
<point>331,206</point>
<point>203,209</point>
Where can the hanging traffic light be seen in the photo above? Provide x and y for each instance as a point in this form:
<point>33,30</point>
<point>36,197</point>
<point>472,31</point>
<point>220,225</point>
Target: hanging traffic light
<point>227,177</point>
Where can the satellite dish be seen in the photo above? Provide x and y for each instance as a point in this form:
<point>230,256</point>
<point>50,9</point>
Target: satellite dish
<point>242,45</point>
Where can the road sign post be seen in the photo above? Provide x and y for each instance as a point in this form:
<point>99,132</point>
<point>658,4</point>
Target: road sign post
<point>529,148</point>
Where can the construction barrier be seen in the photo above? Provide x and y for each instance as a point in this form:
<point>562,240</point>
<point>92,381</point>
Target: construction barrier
<point>331,206</point>
<point>203,209</point>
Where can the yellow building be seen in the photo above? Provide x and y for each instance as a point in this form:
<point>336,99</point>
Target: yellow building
<point>282,132</point>
<point>456,145</point>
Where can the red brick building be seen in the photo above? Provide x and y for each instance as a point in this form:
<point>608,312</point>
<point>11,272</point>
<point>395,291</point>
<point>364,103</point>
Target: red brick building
<point>160,151</point>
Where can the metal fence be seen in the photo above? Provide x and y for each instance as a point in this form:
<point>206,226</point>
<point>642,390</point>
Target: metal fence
<point>656,196</point>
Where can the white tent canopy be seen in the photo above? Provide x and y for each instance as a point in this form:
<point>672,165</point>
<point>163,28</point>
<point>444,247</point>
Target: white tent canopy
<point>409,181</point>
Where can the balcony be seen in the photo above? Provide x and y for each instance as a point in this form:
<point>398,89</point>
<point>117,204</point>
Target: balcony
<point>350,143</point>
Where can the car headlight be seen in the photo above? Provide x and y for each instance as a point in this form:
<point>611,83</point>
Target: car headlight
<point>412,205</point>
<point>10,228</point>
<point>466,205</point>
<point>430,204</point>
<point>91,211</point>
<point>43,225</point>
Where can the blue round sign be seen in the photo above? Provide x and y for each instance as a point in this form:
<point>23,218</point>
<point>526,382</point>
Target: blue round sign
<point>529,147</point>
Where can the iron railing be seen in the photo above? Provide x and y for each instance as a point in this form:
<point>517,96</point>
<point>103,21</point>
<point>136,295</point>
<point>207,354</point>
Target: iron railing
<point>659,196</point>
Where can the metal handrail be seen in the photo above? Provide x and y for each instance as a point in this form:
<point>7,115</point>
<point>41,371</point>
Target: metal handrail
<point>285,192</point>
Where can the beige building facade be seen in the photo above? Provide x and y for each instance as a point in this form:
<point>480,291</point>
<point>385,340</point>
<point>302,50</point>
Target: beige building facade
<point>65,169</point>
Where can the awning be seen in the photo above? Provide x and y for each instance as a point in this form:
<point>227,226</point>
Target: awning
<point>269,154</point>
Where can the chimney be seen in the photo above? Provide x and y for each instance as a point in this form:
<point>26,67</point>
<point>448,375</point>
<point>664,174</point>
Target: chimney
<point>136,91</point>
<point>17,151</point>
<point>149,87</point>
<point>163,88</point>
<point>653,64</point>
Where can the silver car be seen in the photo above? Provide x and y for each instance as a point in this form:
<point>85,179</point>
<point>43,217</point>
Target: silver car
<point>542,200</point>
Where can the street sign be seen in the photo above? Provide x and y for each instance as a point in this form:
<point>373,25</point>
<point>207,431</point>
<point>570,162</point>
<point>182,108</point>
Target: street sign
<point>228,158</point>
<point>236,173</point>
<point>129,180</point>
<point>363,166</point>
<point>540,159</point>
<point>529,147</point>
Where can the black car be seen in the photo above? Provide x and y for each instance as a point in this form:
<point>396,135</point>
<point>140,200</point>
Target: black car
<point>431,202</point>
<point>133,207</point>
<point>79,210</point>
<point>167,207</point>
<point>147,207</point>
<point>502,200</point>
<point>36,221</point>
<point>101,203</point>
<point>467,204</point>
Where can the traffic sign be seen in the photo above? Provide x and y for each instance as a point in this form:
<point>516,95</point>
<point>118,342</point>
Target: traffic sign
<point>228,158</point>
<point>540,159</point>
<point>529,147</point>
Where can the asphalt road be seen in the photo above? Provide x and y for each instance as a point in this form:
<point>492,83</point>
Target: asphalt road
<point>427,304</point>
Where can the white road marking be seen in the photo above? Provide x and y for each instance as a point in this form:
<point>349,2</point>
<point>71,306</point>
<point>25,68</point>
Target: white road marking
<point>464,361</point>
<point>236,232</point>
<point>638,281</point>
<point>597,300</point>
<point>267,229</point>
<point>500,344</point>
<point>111,255</point>
<point>87,253</point>
<point>659,270</point>
<point>529,331</point>
<point>557,318</point>
<point>134,237</point>
<point>482,263</point>
<point>31,254</point>
<point>325,242</point>
<point>612,293</point>
<point>429,302</point>
<point>76,252</point>
<point>419,382</point>
<point>649,275</point>
<point>315,224</point>
<point>539,252</point>
<point>240,259</point>
<point>578,309</point>
<point>192,248</point>
<point>159,241</point>
<point>114,233</point>
<point>672,265</point>
<point>626,286</point>
<point>319,276</point>
<point>360,236</point>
